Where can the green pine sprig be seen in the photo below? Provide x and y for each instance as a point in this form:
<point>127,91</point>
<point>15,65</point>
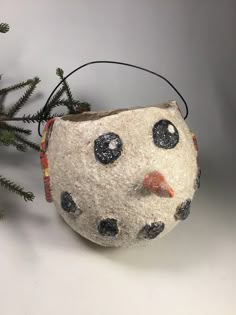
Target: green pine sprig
<point>5,126</point>
<point>6,183</point>
<point>27,143</point>
<point>14,109</point>
<point>4,27</point>
<point>16,87</point>
<point>60,73</point>
<point>44,114</point>
<point>17,136</point>
<point>35,118</point>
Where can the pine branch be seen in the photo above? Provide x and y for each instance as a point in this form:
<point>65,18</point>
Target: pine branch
<point>57,96</point>
<point>5,126</point>
<point>2,99</point>
<point>76,105</point>
<point>19,146</point>
<point>28,143</point>
<point>24,98</point>
<point>6,183</point>
<point>11,142</point>
<point>81,107</point>
<point>60,73</point>
<point>30,118</point>
<point>77,108</point>
<point>54,102</point>
<point>45,114</point>
<point>15,87</point>
<point>4,27</point>
<point>6,137</point>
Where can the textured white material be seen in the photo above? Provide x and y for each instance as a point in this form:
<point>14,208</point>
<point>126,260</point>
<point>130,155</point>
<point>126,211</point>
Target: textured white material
<point>115,190</point>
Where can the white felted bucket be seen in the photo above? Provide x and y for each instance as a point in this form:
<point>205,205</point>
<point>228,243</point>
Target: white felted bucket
<point>121,177</point>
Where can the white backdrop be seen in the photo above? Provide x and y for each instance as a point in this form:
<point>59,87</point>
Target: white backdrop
<point>44,267</point>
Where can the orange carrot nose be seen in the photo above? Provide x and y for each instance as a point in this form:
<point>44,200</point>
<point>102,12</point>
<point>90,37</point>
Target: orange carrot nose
<point>156,183</point>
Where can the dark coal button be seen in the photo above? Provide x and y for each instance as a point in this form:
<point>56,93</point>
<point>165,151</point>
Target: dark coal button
<point>151,231</point>
<point>108,227</point>
<point>67,202</point>
<point>183,210</point>
<point>197,180</point>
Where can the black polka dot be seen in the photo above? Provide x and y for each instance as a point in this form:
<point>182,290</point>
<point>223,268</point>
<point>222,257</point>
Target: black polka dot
<point>151,231</point>
<point>67,202</point>
<point>165,134</point>
<point>183,210</point>
<point>108,227</point>
<point>107,148</point>
<point>197,180</point>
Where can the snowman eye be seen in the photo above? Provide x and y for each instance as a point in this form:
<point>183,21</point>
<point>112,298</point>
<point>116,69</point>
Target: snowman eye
<point>107,148</point>
<point>165,134</point>
<point>67,202</point>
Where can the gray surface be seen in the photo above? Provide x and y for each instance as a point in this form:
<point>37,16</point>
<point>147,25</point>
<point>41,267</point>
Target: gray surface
<point>45,267</point>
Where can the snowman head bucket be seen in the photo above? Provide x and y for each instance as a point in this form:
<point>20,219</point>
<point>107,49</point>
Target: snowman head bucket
<point>121,177</point>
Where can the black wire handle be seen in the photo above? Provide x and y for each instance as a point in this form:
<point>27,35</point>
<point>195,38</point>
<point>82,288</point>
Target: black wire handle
<point>111,62</point>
